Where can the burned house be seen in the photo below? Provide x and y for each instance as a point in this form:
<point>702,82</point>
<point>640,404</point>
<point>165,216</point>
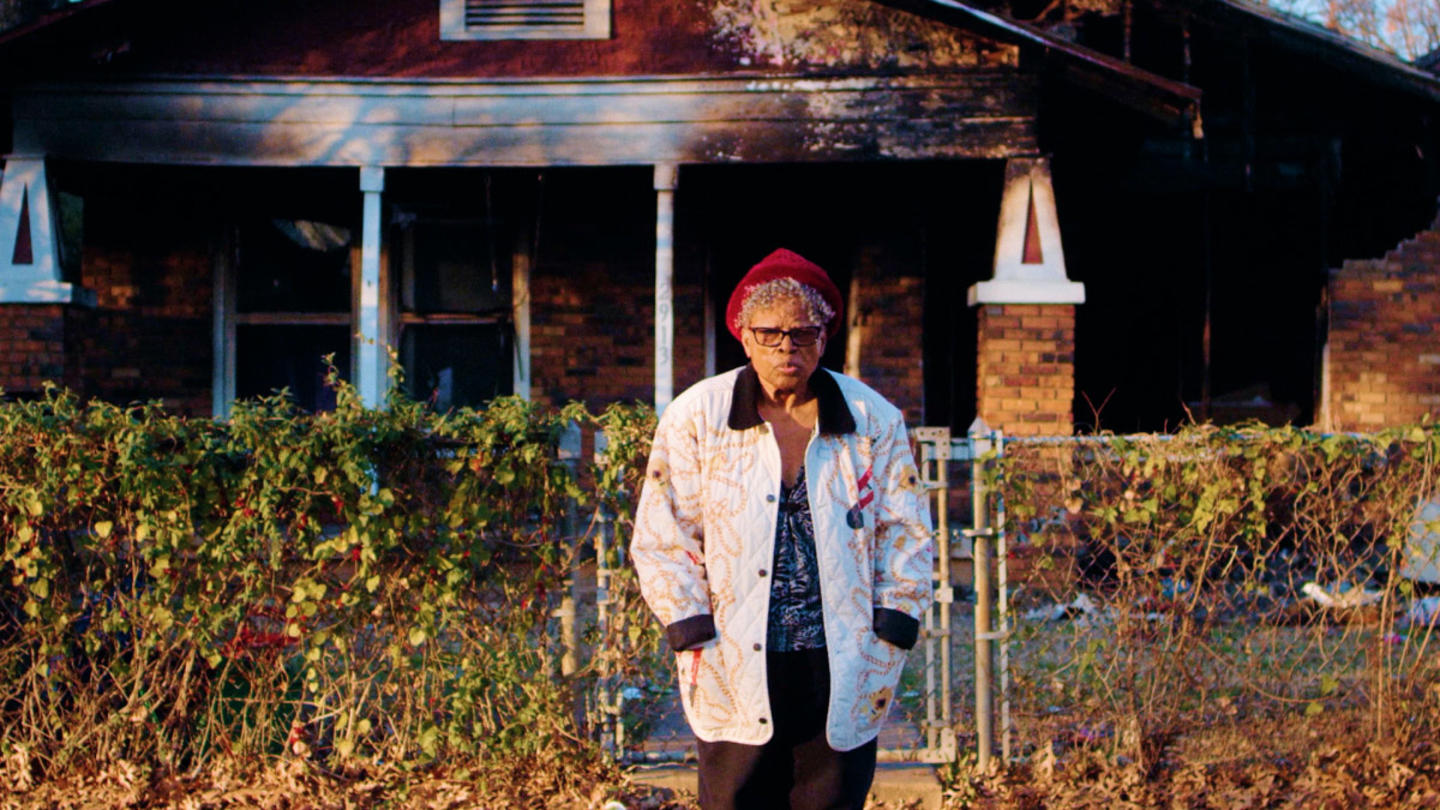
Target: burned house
<point>1097,214</point>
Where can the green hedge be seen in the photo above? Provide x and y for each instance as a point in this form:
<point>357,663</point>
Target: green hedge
<point>357,583</point>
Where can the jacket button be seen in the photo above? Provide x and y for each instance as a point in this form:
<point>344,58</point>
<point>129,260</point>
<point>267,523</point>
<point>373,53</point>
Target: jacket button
<point>757,648</point>
<point>763,721</point>
<point>770,498</point>
<point>762,572</point>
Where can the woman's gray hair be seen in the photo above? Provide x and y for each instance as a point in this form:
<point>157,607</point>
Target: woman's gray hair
<point>772,292</point>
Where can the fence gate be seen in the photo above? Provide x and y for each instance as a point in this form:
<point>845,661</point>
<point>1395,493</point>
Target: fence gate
<point>935,450</point>
<point>934,453</point>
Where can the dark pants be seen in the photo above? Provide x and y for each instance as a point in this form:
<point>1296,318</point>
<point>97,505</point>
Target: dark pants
<point>797,769</point>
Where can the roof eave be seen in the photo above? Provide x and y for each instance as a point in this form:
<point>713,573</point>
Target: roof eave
<point>1171,101</point>
<point>1309,37</point>
<point>48,20</point>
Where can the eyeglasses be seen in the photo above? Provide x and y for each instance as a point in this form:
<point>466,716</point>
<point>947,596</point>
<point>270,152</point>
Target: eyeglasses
<point>770,337</point>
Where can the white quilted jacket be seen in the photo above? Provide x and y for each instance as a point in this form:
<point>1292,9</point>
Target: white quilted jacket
<point>704,545</point>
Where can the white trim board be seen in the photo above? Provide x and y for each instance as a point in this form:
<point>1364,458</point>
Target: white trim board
<point>626,121</point>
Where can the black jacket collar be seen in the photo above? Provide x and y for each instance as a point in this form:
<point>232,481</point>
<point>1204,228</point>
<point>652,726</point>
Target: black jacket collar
<point>835,417</point>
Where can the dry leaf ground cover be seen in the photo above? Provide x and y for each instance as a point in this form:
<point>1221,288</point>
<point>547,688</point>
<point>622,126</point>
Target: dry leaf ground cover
<point>1333,761</point>
<point>577,781</point>
<point>1328,762</point>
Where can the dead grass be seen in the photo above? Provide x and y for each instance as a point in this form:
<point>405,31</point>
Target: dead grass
<point>557,781</point>
<point>1293,761</point>
<point>1326,761</point>
<point>294,784</point>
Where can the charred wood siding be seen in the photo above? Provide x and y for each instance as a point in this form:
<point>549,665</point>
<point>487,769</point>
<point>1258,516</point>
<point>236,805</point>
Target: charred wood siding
<point>984,114</point>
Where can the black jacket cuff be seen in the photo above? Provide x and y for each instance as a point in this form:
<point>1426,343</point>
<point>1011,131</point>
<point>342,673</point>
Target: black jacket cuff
<point>692,632</point>
<point>897,627</point>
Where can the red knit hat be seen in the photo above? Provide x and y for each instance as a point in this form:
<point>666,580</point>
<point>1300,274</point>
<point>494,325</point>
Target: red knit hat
<point>786,264</point>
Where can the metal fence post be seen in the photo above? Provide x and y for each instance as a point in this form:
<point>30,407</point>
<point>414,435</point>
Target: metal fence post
<point>569,454</point>
<point>612,729</point>
<point>1002,551</point>
<point>981,535</point>
<point>608,717</point>
<point>944,598</point>
<point>569,639</point>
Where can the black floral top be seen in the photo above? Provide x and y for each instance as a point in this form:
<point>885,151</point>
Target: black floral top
<point>797,618</point>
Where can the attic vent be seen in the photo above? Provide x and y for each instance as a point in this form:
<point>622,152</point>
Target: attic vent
<point>524,19</point>
<point>500,13</point>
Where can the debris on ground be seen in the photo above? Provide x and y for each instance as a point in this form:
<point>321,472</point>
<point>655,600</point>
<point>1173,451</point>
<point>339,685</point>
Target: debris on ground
<point>1081,605</point>
<point>1422,612</point>
<point>1342,597</point>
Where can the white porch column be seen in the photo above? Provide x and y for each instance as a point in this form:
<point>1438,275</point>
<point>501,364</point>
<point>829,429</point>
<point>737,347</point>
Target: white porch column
<point>29,239</point>
<point>665,177</point>
<point>520,311</point>
<point>1029,259</point>
<point>371,360</point>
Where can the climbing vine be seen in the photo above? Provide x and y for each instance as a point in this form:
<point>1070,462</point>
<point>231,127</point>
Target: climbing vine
<point>358,584</point>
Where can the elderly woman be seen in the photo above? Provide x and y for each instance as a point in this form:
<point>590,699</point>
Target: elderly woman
<point>783,538</point>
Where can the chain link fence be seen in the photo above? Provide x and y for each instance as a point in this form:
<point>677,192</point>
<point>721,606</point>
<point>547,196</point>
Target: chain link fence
<point>1133,594</point>
<point>1162,588</point>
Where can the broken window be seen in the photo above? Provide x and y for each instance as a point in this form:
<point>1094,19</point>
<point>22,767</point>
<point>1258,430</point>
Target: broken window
<point>291,285</point>
<point>456,339</point>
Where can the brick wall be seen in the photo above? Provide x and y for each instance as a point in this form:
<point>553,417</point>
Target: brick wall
<point>1025,375</point>
<point>1384,341</point>
<point>32,346</point>
<point>891,353</point>
<point>149,337</point>
<point>587,346</point>
<point>592,293</point>
<point>592,334</point>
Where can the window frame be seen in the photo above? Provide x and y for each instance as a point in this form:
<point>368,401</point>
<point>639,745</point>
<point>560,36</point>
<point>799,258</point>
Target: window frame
<point>228,318</point>
<point>398,265</point>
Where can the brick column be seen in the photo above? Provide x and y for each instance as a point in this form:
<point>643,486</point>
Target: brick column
<point>1025,346</point>
<point>1025,381</point>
